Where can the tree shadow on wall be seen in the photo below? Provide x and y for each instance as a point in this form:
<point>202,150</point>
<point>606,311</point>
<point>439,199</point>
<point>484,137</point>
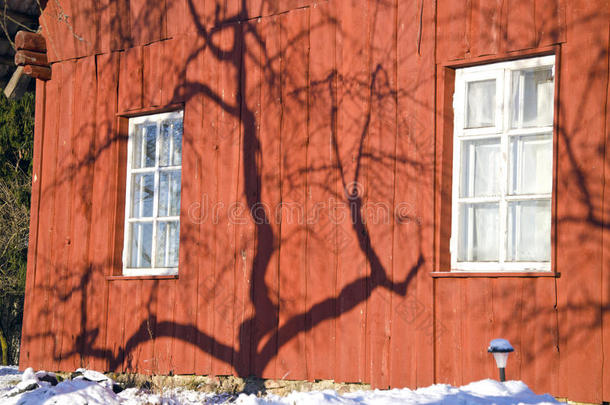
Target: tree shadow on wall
<point>285,127</point>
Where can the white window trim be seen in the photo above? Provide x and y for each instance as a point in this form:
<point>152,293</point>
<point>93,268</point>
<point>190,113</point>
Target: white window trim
<point>501,72</point>
<point>133,121</point>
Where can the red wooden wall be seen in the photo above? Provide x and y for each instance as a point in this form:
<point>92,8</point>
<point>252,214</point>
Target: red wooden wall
<point>289,104</point>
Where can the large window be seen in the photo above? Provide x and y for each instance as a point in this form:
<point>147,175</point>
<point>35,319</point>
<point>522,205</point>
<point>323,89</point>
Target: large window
<point>502,166</point>
<point>152,209</point>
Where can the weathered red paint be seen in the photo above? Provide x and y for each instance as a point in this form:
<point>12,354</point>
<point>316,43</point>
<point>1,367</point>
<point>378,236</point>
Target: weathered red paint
<point>293,101</point>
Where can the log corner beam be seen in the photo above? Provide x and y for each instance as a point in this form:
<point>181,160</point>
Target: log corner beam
<point>23,58</point>
<point>32,55</point>
<point>30,41</point>
<point>38,72</point>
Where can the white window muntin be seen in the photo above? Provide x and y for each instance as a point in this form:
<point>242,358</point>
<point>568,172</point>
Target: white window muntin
<point>155,220</point>
<point>502,74</point>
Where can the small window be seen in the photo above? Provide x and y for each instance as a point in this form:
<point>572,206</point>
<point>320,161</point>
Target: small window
<point>503,166</point>
<point>152,203</point>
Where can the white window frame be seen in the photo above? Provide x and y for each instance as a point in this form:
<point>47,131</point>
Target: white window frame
<point>501,72</point>
<point>133,121</point>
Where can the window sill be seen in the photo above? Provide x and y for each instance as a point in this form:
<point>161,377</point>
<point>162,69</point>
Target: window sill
<point>496,274</point>
<point>149,277</point>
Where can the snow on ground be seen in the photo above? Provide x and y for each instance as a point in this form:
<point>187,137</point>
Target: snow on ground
<point>81,391</point>
<point>9,376</point>
<point>480,392</point>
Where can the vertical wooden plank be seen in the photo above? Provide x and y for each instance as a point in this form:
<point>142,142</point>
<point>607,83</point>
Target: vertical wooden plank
<point>104,30</point>
<point>60,276</point>
<point>248,201</point>
<point>153,74</point>
<point>606,254</point>
<point>177,17</point>
<point>130,79</point>
<point>211,14</point>
<point>253,8</point>
<point>45,252</point>
<point>265,278</point>
<point>446,328</point>
<point>146,20</point>
<point>205,141</point>
<point>28,352</point>
<point>443,168</point>
<point>485,28</point>
<point>49,30</point>
<point>424,216</point>
<point>78,270</point>
<point>219,12</point>
<point>166,327</point>
<point>116,313</point>
<point>353,90</point>
<point>115,17</point>
<point>139,298</point>
<point>521,27</point>
<point>84,134</point>
<point>584,80</point>
<point>379,191</point>
<point>69,36</point>
<point>84,22</point>
<point>191,194</point>
<point>294,39</point>
<point>477,332</point>
<point>405,307</point>
<point>228,169</point>
<point>561,283</point>
<point>144,338</point>
<point>195,16</point>
<point>233,9</point>
<point>528,343</point>
<point>546,361</point>
<point>550,22</point>
<point>132,299</point>
<point>174,70</point>
<point>321,189</point>
<point>102,214</point>
<point>452,22</point>
<point>507,294</point>
<point>116,215</point>
<point>448,362</point>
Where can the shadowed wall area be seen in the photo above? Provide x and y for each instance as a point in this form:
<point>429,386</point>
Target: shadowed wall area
<point>316,193</point>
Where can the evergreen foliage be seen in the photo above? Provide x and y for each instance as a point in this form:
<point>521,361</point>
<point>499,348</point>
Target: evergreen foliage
<point>16,149</point>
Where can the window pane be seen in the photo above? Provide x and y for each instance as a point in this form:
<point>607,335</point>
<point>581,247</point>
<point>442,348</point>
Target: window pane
<point>171,143</point>
<point>481,104</point>
<point>141,244</point>
<point>529,231</point>
<point>531,164</point>
<point>480,168</point>
<point>169,193</point>
<point>142,195</point>
<point>478,238</point>
<point>532,98</point>
<point>167,244</point>
<point>177,137</point>
<point>144,146</point>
